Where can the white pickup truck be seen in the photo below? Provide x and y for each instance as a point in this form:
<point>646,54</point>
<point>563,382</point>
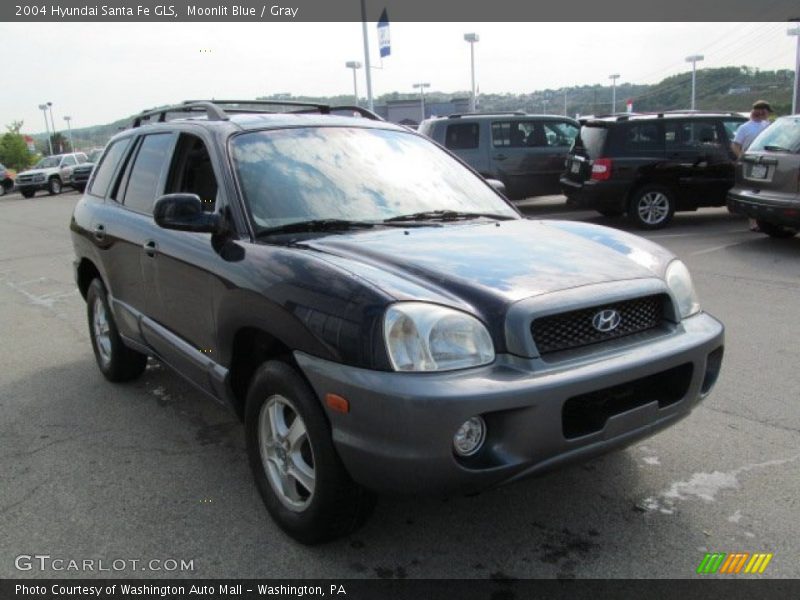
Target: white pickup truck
<point>51,173</point>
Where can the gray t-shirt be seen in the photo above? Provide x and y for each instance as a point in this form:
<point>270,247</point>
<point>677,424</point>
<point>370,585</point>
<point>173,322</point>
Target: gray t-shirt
<point>748,131</point>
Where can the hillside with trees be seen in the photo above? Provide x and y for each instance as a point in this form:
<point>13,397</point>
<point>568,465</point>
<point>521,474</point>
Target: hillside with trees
<point>727,88</point>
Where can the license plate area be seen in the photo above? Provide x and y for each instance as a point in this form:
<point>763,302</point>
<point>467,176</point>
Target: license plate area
<point>576,167</point>
<point>758,172</point>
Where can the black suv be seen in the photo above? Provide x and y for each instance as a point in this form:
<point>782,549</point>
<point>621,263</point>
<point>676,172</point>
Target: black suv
<point>650,165</point>
<point>379,315</point>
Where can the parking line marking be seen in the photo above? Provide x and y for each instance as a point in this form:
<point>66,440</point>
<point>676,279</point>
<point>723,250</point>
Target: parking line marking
<point>715,248</point>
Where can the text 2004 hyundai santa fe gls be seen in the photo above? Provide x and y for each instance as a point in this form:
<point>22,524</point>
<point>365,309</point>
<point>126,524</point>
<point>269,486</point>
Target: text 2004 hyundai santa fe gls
<point>381,317</point>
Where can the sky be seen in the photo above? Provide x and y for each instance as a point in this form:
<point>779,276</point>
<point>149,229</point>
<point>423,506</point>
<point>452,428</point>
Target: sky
<point>100,72</point>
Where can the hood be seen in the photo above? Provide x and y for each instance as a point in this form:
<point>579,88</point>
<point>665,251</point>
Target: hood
<point>497,263</point>
<point>38,171</point>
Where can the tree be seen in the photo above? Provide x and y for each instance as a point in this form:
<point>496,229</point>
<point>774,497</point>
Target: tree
<point>14,151</point>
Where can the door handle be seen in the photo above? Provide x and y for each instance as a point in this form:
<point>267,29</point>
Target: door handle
<point>99,232</point>
<point>150,248</point>
<point>500,157</point>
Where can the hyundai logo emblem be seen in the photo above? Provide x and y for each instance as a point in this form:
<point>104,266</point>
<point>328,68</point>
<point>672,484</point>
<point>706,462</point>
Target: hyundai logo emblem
<point>606,320</point>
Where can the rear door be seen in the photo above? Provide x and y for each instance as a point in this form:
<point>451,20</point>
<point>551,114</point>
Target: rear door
<point>697,149</point>
<point>521,157</point>
<point>463,138</point>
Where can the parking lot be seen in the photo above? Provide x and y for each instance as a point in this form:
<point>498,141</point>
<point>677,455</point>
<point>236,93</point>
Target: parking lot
<point>153,470</point>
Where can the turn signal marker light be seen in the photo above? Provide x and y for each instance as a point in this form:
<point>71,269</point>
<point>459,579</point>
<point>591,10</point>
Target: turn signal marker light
<point>337,403</point>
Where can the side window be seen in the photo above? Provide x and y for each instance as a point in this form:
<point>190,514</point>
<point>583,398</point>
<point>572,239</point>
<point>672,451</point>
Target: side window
<point>692,136</point>
<point>513,134</point>
<point>68,161</point>
<point>642,138</point>
<point>560,134</point>
<point>140,195</point>
<point>191,171</point>
<point>101,177</point>
<point>462,136</point>
<point>731,127</point>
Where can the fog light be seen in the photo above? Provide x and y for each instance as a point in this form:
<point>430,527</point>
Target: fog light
<point>470,436</point>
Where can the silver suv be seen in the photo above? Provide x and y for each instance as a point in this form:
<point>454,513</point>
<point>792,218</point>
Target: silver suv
<point>767,184</point>
<point>525,152</point>
<point>51,173</point>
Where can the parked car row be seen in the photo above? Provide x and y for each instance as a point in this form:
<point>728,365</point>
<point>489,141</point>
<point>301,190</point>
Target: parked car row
<point>645,166</point>
<point>53,173</point>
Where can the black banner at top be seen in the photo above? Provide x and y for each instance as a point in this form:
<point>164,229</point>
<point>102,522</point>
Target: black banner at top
<point>401,10</point>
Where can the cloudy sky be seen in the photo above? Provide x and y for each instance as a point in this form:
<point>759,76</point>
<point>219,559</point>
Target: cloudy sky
<point>100,72</point>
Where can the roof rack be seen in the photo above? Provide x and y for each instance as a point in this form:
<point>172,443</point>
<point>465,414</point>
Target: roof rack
<point>490,113</point>
<point>220,110</point>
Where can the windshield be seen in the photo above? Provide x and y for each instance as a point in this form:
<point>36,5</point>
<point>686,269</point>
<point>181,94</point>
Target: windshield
<point>783,134</point>
<point>48,163</point>
<point>294,175</point>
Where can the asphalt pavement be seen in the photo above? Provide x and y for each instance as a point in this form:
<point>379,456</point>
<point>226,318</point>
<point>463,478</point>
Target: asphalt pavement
<point>152,470</point>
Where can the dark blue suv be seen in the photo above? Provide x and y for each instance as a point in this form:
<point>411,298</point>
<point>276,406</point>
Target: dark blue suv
<point>381,318</point>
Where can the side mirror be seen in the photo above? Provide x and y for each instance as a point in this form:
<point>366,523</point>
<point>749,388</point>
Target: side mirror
<point>498,185</point>
<point>184,212</point>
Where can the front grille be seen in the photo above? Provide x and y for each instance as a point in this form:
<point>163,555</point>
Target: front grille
<point>574,329</point>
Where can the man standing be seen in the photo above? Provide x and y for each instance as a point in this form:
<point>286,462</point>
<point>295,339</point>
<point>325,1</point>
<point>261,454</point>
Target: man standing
<point>748,131</point>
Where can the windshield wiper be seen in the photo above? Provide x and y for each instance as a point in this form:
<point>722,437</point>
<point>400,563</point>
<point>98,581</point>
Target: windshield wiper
<point>776,149</point>
<point>445,215</point>
<point>316,225</point>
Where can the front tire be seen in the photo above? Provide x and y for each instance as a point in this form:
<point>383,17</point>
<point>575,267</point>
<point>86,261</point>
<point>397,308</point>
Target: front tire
<point>651,207</point>
<point>54,186</point>
<point>116,361</point>
<point>776,231</point>
<point>28,193</point>
<point>302,481</point>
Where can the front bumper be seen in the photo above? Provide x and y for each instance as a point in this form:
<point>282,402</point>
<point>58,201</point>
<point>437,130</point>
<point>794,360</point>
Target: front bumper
<point>24,186</point>
<point>398,434</point>
<point>779,209</point>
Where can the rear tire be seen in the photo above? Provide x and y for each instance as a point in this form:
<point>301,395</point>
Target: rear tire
<point>116,361</point>
<point>651,207</point>
<point>776,231</point>
<point>299,475</point>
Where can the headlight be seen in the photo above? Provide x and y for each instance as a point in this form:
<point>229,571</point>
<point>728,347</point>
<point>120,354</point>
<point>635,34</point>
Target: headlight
<point>427,337</point>
<point>680,282</point>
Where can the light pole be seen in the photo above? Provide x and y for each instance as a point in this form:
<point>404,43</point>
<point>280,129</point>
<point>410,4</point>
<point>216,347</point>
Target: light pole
<point>52,122</point>
<point>694,59</point>
<point>354,64</point>
<point>421,87</point>
<point>370,103</point>
<point>796,32</point>
<point>613,79</point>
<point>472,38</point>
<point>544,105</point>
<point>69,127</point>
<point>43,108</point>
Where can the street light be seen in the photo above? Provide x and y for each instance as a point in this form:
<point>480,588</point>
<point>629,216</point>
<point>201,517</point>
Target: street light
<point>69,127</point>
<point>472,38</point>
<point>421,87</point>
<point>43,108</point>
<point>796,32</point>
<point>694,59</point>
<point>52,122</point>
<point>613,79</point>
<point>354,64</point>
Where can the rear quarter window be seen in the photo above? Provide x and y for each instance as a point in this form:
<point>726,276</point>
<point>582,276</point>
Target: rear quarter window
<point>104,172</point>
<point>638,139</point>
<point>462,136</point>
<point>592,140</point>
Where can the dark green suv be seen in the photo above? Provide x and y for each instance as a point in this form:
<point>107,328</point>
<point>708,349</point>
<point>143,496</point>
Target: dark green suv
<point>650,165</point>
